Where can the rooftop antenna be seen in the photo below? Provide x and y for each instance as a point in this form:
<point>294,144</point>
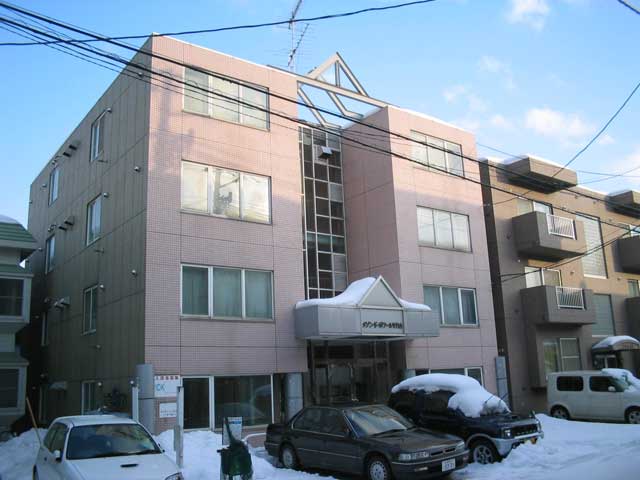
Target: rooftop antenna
<point>292,27</point>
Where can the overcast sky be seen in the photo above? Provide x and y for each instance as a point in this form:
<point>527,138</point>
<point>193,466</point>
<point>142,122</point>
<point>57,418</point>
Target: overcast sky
<point>527,76</point>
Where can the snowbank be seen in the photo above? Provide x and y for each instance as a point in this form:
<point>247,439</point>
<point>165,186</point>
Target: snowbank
<point>610,341</point>
<point>470,397</point>
<point>625,375</point>
<point>18,455</point>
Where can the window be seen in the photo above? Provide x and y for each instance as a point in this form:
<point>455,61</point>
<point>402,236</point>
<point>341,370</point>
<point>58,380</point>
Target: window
<point>230,100</point>
<point>89,400</point>
<point>44,330</point>
<point>437,403</point>
<point>226,193</point>
<point>569,384</point>
<point>473,372</point>
<point>525,205</point>
<point>50,254</point>
<point>227,292</point>
<point>443,229</point>
<point>197,408</point>
<point>310,420</point>
<point>534,277</point>
<point>249,397</point>
<point>11,297</point>
<point>602,384</point>
<point>456,306</point>
<point>90,309</point>
<point>561,354</point>
<point>594,263</point>
<point>9,381</point>
<point>634,288</point>
<point>94,212</point>
<point>440,154</point>
<point>97,137</point>
<point>604,315</point>
<point>56,435</point>
<point>54,180</point>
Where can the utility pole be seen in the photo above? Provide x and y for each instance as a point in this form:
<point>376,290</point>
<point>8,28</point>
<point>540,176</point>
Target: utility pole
<point>292,28</point>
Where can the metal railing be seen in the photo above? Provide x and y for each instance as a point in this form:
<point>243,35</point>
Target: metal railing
<point>561,226</point>
<point>570,297</point>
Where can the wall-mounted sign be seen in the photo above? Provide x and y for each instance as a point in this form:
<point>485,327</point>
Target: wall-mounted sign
<point>166,385</point>
<point>168,410</point>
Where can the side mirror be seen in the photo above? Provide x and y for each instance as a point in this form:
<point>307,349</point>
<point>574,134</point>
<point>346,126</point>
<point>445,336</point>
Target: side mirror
<point>612,389</point>
<point>57,455</point>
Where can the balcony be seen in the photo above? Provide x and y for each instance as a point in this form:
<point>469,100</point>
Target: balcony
<point>550,305</point>
<point>548,237</point>
<point>626,202</point>
<point>629,253</point>
<point>537,174</point>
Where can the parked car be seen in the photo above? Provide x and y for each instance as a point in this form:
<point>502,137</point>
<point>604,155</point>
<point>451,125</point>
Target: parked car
<point>609,394</point>
<point>369,439</point>
<point>101,447</point>
<point>459,405</point>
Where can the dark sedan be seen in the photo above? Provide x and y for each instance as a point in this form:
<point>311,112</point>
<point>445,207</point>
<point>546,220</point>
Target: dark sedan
<point>370,439</point>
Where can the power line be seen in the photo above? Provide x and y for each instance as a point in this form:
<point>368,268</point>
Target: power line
<point>631,7</point>
<point>174,61</point>
<point>289,21</point>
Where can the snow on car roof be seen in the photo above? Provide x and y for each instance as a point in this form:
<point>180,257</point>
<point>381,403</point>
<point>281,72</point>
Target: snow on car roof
<point>80,420</point>
<point>469,396</point>
<point>621,373</point>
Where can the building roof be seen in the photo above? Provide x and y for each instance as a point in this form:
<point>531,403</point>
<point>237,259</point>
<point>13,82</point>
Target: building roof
<point>14,235</point>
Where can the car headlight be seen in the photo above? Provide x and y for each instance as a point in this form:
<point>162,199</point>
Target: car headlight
<point>506,433</point>
<point>539,425</point>
<point>409,457</point>
<point>175,476</point>
<point>460,446</point>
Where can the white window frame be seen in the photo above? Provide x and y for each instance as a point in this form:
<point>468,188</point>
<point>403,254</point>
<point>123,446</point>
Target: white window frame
<point>97,131</point>
<point>634,281</point>
<point>89,219</point>
<point>210,269</point>
<point>460,310</point>
<point>84,310</point>
<point>210,96</point>
<point>50,254</point>
<point>209,169</point>
<point>563,356</point>
<point>423,243</point>
<point>424,143</point>
<point>83,398</point>
<point>602,248</point>
<point>54,184</point>
<point>539,272</point>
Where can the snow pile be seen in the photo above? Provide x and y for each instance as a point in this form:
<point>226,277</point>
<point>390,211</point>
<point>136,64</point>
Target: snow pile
<point>353,295</point>
<point>611,341</point>
<point>18,455</point>
<point>470,397</point>
<point>569,450</point>
<point>624,375</point>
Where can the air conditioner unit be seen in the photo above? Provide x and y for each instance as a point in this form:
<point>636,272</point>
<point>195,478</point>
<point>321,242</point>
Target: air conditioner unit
<point>71,148</point>
<point>323,152</point>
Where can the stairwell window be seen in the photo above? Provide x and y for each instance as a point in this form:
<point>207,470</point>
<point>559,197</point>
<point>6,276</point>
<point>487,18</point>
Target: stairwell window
<point>97,137</point>
<point>593,264</point>
<point>437,228</point>
<point>94,217</point>
<point>50,254</point>
<point>89,399</point>
<point>90,306</point>
<point>226,99</point>
<point>54,181</point>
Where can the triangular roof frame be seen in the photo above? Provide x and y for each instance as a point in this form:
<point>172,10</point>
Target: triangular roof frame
<point>379,280</point>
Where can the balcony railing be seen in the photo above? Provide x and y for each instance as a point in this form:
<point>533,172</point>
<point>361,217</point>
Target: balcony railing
<point>570,298</point>
<point>561,226</point>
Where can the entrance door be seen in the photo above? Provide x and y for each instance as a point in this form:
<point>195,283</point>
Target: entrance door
<point>196,403</point>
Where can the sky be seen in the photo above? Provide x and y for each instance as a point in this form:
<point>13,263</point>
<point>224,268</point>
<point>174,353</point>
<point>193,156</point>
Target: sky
<point>526,76</point>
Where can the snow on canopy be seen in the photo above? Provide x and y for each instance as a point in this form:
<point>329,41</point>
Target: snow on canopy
<point>469,396</point>
<point>624,375</point>
<point>611,341</point>
<point>353,295</point>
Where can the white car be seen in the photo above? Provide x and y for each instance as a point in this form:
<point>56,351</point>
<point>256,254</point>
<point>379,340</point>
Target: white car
<point>101,447</point>
<point>611,394</point>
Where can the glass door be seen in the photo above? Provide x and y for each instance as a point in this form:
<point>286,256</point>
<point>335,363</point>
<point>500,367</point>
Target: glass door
<point>197,403</point>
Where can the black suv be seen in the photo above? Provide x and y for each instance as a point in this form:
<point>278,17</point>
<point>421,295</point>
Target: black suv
<point>489,437</point>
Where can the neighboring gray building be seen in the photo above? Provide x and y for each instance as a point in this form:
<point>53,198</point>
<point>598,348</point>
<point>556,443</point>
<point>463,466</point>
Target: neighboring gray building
<point>185,228</point>
<point>16,244</point>
<point>554,313</point>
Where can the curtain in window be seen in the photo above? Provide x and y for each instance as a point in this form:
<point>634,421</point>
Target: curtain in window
<point>195,91</point>
<point>436,155</point>
<point>454,160</point>
<point>461,238</point>
<point>593,264</point>
<point>604,315</point>
<point>432,299</point>
<point>226,193</point>
<point>444,232</point>
<point>426,233</point>
<point>451,306</point>
<point>570,354</point>
<point>258,294</point>
<point>223,108</point>
<point>194,187</point>
<point>418,151</point>
<point>195,297</point>
<point>550,348</point>
<point>255,198</point>
<point>227,292</point>
<point>248,397</point>
<point>468,299</point>
<point>254,117</point>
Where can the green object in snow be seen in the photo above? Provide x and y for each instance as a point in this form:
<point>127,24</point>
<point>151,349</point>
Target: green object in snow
<point>235,460</point>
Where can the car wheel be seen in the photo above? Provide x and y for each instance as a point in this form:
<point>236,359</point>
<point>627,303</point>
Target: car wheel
<point>561,413</point>
<point>483,452</point>
<point>288,457</point>
<point>378,469</point>
<point>633,416</point>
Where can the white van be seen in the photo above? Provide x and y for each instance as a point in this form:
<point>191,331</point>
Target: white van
<point>610,394</point>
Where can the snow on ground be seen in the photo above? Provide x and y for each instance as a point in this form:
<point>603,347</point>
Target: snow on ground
<point>569,451</point>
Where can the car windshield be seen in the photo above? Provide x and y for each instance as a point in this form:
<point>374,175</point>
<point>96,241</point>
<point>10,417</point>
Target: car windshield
<point>376,419</point>
<point>621,383</point>
<point>109,440</point>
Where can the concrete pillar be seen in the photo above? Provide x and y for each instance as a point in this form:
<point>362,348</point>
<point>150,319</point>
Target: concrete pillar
<point>147,403</point>
<point>408,373</point>
<point>293,394</point>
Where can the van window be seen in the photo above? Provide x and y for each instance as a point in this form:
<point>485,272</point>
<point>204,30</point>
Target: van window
<point>602,384</point>
<point>570,384</point>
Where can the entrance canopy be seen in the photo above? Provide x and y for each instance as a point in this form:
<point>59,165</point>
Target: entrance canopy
<point>368,309</point>
<point>616,344</point>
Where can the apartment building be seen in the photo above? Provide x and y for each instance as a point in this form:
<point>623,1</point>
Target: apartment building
<point>16,244</point>
<point>217,242</point>
<point>557,308</point>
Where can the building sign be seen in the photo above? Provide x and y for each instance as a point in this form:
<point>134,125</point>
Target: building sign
<point>166,385</point>
<point>235,425</point>
<point>168,410</point>
<point>382,327</point>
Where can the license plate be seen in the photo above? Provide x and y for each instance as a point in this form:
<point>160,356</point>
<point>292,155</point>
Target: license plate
<point>448,465</point>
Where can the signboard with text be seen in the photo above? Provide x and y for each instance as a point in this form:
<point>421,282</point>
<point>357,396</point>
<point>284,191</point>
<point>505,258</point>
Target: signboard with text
<point>166,385</point>
<point>168,410</point>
